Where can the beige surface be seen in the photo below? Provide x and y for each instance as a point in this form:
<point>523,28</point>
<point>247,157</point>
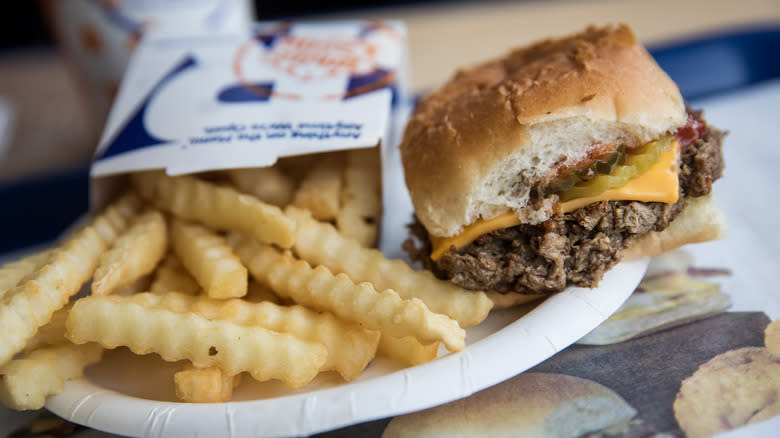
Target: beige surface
<point>444,36</point>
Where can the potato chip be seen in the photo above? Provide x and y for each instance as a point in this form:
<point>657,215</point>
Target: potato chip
<point>29,379</point>
<point>407,350</point>
<point>320,190</point>
<point>361,205</point>
<point>11,274</point>
<point>320,244</point>
<point>209,259</point>
<point>204,385</point>
<point>113,320</point>
<point>321,289</point>
<point>268,184</point>
<point>172,276</point>
<point>350,346</point>
<point>133,255</point>
<point>222,208</point>
<point>28,306</point>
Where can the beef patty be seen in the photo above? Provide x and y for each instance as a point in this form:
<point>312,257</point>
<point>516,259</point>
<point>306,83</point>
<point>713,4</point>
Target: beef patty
<point>573,248</point>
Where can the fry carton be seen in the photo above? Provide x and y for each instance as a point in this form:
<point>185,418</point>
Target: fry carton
<point>193,104</point>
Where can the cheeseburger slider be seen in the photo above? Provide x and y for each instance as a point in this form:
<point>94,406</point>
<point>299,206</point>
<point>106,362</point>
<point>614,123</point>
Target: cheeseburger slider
<point>548,166</point>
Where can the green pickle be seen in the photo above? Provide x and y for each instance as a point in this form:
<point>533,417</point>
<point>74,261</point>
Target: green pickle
<point>636,164</point>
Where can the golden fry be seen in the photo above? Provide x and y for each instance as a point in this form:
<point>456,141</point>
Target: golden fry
<point>30,305</point>
<point>172,276</point>
<point>407,350</point>
<point>350,346</point>
<point>320,244</point>
<point>320,289</point>
<point>52,333</point>
<point>361,197</point>
<point>204,385</point>
<point>320,190</point>
<point>29,379</point>
<point>134,254</point>
<point>210,260</point>
<point>222,208</point>
<point>257,292</point>
<point>268,184</point>
<point>13,273</point>
<point>113,320</point>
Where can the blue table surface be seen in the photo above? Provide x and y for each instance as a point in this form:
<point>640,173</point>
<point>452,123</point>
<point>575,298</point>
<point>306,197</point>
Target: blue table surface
<point>38,210</point>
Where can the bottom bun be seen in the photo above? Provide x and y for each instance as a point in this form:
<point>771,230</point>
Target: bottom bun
<point>700,221</point>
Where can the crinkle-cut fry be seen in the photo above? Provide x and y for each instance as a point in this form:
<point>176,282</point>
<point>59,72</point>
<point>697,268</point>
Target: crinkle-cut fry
<point>350,346</point>
<point>320,244</point>
<point>113,320</point>
<point>319,288</point>
<point>134,254</point>
<point>320,190</point>
<point>51,333</point>
<point>28,306</point>
<point>204,385</point>
<point>29,379</point>
<point>361,198</point>
<point>13,273</point>
<point>218,207</point>
<point>209,259</point>
<point>257,292</point>
<point>407,350</point>
<point>269,184</point>
<point>172,276</point>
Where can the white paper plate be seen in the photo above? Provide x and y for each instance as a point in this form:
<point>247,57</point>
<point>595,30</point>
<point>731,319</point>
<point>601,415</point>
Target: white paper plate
<point>114,396</point>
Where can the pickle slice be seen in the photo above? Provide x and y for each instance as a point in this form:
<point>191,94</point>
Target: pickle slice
<point>636,164</point>
<point>598,167</point>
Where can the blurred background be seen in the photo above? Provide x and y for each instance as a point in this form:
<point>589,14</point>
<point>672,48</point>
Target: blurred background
<point>51,112</point>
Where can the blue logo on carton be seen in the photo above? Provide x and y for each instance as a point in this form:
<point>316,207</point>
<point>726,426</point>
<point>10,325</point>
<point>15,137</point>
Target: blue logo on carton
<point>135,135</point>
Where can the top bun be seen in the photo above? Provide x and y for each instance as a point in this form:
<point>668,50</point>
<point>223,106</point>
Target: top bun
<point>476,146</point>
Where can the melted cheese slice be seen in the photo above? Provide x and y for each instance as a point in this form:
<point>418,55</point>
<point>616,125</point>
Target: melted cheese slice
<point>659,184</point>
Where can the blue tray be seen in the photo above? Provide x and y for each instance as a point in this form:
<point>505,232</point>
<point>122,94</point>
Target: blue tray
<point>37,210</point>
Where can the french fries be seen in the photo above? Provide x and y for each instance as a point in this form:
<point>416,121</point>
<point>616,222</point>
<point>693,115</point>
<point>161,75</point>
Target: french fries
<point>222,208</point>
<point>268,184</point>
<point>52,333</point>
<point>30,305</point>
<point>350,346</point>
<point>11,274</point>
<point>28,380</point>
<point>134,254</point>
<point>320,244</point>
<point>171,275</point>
<point>321,289</point>
<point>334,309</point>
<point>258,292</point>
<point>407,350</point>
<point>361,205</point>
<point>320,190</point>
<point>113,321</point>
<point>210,260</point>
<point>204,385</point>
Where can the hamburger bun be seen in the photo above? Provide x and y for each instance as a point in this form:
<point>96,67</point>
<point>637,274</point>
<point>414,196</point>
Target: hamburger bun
<point>475,146</point>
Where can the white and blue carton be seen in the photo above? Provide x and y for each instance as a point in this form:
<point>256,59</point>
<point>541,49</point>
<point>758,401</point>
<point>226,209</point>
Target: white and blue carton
<point>193,104</point>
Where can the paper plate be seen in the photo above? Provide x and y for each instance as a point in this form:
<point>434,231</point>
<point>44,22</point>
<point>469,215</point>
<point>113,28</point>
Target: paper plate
<point>132,395</point>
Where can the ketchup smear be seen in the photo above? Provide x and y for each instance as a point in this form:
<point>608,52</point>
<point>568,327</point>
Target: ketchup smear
<point>693,130</point>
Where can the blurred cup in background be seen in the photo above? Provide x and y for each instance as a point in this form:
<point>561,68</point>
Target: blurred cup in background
<point>98,37</point>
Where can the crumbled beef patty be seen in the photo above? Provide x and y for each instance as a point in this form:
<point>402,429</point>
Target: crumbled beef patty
<point>573,248</point>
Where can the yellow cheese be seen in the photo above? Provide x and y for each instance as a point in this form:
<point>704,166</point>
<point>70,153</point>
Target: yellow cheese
<point>659,184</point>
